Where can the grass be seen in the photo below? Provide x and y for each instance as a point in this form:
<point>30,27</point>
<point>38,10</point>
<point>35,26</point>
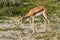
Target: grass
<point>4,18</point>
<point>15,28</point>
<point>46,36</point>
<point>2,29</point>
<point>53,8</point>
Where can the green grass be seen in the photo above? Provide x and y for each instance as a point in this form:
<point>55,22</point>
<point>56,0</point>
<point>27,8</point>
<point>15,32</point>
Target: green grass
<point>4,18</point>
<point>52,6</point>
<point>15,28</point>
<point>2,29</point>
<point>45,36</point>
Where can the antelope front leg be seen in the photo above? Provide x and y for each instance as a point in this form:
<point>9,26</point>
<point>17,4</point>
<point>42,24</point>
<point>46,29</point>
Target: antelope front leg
<point>33,24</point>
<point>30,20</point>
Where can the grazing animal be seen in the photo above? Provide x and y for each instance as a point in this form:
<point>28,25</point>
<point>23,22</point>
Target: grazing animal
<point>37,11</point>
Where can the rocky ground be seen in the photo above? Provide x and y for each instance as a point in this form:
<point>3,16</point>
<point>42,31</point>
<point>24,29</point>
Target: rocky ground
<point>10,30</point>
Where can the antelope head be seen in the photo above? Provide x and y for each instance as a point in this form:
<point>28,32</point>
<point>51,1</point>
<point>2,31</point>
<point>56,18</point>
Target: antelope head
<point>20,19</point>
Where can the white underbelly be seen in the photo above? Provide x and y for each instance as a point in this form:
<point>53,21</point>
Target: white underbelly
<point>38,14</point>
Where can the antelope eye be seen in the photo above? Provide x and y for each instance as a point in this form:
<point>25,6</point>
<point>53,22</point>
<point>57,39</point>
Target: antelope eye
<point>20,20</point>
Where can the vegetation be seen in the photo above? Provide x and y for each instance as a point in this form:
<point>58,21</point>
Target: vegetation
<point>10,9</point>
<point>16,7</point>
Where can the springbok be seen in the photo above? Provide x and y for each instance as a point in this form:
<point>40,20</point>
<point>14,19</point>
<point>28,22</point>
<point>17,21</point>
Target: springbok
<point>37,11</point>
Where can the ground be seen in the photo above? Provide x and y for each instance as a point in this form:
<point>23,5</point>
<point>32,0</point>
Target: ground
<point>11,30</point>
